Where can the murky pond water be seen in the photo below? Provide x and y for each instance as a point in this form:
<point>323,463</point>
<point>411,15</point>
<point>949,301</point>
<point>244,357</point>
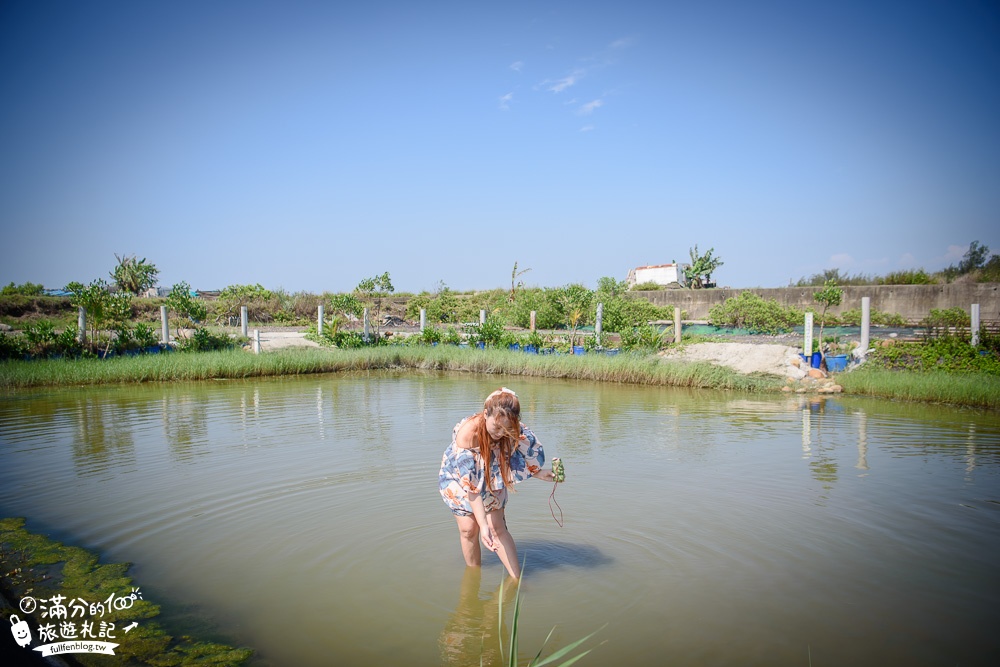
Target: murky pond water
<point>301,517</point>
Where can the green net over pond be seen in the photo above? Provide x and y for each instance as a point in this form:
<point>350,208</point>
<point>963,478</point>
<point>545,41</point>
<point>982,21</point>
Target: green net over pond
<point>711,330</point>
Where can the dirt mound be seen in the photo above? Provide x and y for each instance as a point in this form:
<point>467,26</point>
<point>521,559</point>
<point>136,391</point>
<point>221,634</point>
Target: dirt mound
<point>774,359</point>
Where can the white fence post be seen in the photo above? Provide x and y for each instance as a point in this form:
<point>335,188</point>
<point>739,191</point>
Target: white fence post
<point>482,317</point>
<point>866,323</point>
<point>975,325</point>
<point>367,326</point>
<point>243,320</point>
<point>256,341</point>
<point>81,324</point>
<point>533,313</point>
<point>319,320</point>
<point>598,322</point>
<point>423,319</point>
<point>164,326</point>
<point>807,344</point>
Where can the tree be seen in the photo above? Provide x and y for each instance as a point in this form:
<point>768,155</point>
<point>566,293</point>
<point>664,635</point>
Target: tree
<point>94,299</point>
<point>514,275</point>
<point>134,276</point>
<point>181,302</point>
<point>702,267</point>
<point>371,291</point>
<point>830,295</point>
<point>975,258</point>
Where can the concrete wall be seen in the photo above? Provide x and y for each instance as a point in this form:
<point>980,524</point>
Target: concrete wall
<point>914,302</point>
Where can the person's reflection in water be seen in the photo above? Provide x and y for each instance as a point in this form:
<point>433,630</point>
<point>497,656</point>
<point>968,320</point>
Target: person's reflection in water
<point>472,631</point>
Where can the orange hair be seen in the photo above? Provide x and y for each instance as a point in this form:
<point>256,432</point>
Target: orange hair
<point>502,402</point>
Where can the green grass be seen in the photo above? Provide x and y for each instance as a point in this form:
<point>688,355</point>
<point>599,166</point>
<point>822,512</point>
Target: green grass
<point>624,368</point>
<point>968,388</point>
<point>972,389</point>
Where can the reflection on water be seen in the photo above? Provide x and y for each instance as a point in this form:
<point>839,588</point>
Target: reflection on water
<point>473,630</point>
<point>301,516</point>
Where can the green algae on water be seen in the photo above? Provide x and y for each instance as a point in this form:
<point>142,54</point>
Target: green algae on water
<point>34,566</point>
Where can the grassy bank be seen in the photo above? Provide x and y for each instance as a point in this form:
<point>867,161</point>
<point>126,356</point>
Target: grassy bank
<point>972,389</point>
<point>969,388</point>
<point>637,369</point>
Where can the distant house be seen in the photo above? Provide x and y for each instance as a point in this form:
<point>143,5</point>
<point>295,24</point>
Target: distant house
<point>661,274</point>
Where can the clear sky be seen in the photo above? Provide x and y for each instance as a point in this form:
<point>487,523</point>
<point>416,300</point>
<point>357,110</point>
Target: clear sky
<point>310,145</point>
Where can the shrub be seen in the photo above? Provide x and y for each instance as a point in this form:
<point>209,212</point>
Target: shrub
<point>204,340</point>
<point>12,346</point>
<point>181,301</point>
<point>491,332</point>
<point>25,289</point>
<point>752,312</point>
<point>910,277</point>
<point>260,303</point>
<point>951,354</point>
<point>642,338</point>
<point>852,318</point>
<point>940,321</point>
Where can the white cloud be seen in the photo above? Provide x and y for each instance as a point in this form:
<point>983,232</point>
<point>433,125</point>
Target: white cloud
<point>622,43</point>
<point>587,128</point>
<point>562,84</point>
<point>589,107</point>
<point>516,66</point>
<point>955,252</point>
<point>907,261</point>
<point>505,101</point>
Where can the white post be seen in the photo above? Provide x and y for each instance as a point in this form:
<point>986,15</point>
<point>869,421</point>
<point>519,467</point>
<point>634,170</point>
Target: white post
<point>482,317</point>
<point>81,324</point>
<point>367,325</point>
<point>866,323</point>
<point>319,320</point>
<point>807,345</point>
<point>975,325</point>
<point>243,320</point>
<point>423,319</point>
<point>677,324</point>
<point>164,326</point>
<point>598,322</point>
<point>256,341</point>
<point>533,320</point>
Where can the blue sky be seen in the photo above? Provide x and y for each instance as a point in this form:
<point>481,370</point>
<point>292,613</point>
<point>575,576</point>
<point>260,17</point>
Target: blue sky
<point>310,145</point>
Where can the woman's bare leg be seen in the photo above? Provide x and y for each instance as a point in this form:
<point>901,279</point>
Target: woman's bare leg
<point>502,537</point>
<point>468,535</point>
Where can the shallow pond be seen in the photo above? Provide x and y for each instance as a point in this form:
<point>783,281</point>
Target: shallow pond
<point>300,516</point>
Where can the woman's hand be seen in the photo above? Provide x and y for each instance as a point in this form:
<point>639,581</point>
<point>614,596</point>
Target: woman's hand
<point>487,536</point>
<point>545,475</point>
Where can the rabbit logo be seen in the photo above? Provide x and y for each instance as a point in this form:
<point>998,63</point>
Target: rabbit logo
<point>20,630</point>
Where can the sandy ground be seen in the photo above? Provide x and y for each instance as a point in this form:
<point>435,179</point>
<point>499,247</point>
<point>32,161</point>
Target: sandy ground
<point>277,340</point>
<point>772,358</point>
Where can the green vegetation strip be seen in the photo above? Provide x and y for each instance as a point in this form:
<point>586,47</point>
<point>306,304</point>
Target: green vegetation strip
<point>961,385</point>
<point>31,564</point>
<point>972,389</point>
<point>626,368</point>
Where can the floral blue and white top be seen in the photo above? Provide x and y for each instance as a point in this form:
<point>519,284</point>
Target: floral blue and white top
<point>462,472</point>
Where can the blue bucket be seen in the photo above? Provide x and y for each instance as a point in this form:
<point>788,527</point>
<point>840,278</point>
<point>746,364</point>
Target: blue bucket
<point>836,362</point>
<point>813,360</point>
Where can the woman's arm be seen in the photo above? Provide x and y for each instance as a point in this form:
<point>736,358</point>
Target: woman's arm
<point>479,511</point>
<point>545,475</point>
